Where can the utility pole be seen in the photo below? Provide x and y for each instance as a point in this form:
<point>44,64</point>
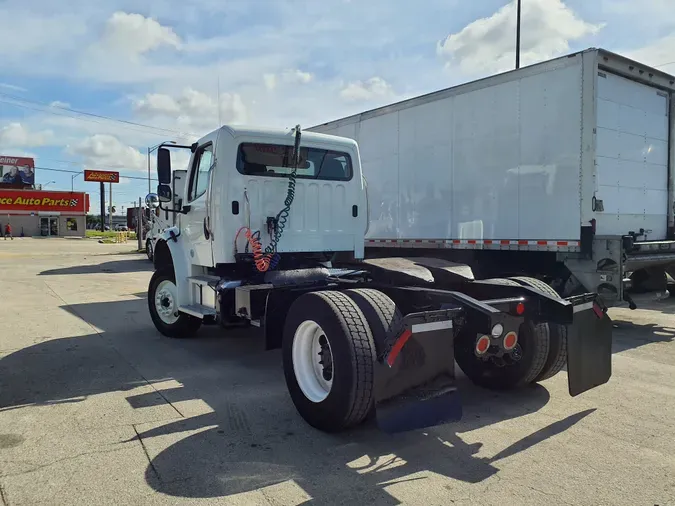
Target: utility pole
<point>139,233</point>
<point>102,192</point>
<point>149,188</point>
<point>518,36</point>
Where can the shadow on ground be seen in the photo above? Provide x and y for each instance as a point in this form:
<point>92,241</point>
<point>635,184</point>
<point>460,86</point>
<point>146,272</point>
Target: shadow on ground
<point>253,437</point>
<point>113,267</point>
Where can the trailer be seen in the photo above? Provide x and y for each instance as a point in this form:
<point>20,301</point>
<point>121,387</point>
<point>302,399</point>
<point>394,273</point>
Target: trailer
<point>271,235</point>
<point>562,171</point>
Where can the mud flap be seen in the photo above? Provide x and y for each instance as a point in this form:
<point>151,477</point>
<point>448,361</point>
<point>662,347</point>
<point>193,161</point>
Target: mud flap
<point>415,378</point>
<point>589,346</point>
<point>433,404</point>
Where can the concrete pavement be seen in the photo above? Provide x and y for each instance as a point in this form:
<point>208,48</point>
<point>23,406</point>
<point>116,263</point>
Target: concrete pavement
<point>97,408</point>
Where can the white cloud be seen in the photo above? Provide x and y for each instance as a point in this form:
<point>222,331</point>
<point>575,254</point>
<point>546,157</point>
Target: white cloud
<point>134,34</point>
<point>373,88</point>
<point>289,76</point>
<point>12,87</point>
<point>108,151</point>
<point>660,53</point>
<point>270,81</point>
<point>193,108</point>
<point>59,104</point>
<point>15,135</point>
<point>488,44</point>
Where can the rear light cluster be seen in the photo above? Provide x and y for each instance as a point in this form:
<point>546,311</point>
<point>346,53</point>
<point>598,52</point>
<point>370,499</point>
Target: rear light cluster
<point>509,341</point>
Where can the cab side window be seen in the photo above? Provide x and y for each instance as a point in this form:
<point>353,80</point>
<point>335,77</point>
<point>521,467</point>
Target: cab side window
<point>199,180</point>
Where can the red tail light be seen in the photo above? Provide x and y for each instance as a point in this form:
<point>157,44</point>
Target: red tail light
<point>482,345</point>
<point>510,340</point>
<point>520,308</point>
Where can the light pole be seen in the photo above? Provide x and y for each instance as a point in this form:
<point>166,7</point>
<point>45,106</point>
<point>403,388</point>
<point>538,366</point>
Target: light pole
<point>72,181</point>
<point>46,184</point>
<point>518,35</point>
<point>150,150</point>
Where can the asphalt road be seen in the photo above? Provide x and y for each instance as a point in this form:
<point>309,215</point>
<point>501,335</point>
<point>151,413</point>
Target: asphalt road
<point>97,408</point>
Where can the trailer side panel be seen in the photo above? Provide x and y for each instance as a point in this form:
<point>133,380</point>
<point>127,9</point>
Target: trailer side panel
<point>499,161</point>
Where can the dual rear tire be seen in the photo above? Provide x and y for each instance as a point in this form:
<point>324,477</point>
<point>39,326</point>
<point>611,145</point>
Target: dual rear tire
<point>542,350</point>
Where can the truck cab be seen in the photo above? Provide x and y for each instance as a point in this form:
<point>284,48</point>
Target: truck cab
<point>240,178</point>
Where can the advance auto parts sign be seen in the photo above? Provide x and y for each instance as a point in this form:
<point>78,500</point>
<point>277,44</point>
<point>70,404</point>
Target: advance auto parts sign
<point>15,200</point>
<point>102,176</point>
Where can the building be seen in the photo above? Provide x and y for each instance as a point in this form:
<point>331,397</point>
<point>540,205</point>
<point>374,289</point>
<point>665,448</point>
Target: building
<point>44,213</point>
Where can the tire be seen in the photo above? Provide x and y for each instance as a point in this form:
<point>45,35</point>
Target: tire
<point>557,353</point>
<point>534,342</point>
<point>344,328</point>
<point>148,249</point>
<point>181,326</point>
<point>382,315</point>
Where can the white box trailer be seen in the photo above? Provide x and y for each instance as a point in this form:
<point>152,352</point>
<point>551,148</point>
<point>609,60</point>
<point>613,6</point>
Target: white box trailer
<point>562,169</point>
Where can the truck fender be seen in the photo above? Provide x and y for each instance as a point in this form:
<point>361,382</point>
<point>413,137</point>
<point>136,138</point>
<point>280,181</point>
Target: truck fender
<point>180,261</point>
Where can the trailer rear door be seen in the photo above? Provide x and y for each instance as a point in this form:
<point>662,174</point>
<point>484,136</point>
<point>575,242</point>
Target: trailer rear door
<point>631,158</point>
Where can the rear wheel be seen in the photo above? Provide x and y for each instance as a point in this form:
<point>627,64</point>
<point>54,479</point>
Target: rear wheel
<point>384,318</point>
<point>163,305</point>
<point>557,352</point>
<point>329,360</point>
<point>522,367</point>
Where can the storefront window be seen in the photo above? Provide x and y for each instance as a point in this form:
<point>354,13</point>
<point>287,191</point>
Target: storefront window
<point>71,224</point>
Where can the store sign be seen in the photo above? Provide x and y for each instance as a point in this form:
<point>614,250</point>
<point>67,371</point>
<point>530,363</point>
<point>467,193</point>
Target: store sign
<point>35,201</point>
<point>17,170</point>
<point>102,176</point>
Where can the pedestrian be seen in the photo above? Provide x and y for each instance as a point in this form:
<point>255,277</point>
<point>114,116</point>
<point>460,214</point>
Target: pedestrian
<point>2,229</point>
<point>8,232</point>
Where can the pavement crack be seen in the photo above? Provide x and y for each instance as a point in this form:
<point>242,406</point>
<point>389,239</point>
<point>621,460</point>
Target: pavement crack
<point>58,461</point>
<point>147,455</point>
<point>3,496</point>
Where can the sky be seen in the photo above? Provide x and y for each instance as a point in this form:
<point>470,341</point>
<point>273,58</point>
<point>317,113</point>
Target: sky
<point>94,84</point>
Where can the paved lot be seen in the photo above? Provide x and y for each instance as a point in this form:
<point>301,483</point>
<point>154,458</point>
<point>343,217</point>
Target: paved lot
<point>97,408</point>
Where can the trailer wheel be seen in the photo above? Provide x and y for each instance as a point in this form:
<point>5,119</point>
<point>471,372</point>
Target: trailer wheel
<point>533,344</point>
<point>382,315</point>
<point>557,353</point>
<point>148,249</point>
<point>329,360</point>
<point>163,305</point>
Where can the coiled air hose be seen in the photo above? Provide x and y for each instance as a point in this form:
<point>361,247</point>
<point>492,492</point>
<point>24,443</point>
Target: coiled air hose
<point>269,259</point>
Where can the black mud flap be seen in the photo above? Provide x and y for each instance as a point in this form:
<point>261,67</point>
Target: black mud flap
<point>589,345</point>
<point>433,404</point>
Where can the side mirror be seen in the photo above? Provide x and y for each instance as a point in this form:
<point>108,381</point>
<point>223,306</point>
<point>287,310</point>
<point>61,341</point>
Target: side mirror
<point>152,200</point>
<point>164,193</point>
<point>164,166</point>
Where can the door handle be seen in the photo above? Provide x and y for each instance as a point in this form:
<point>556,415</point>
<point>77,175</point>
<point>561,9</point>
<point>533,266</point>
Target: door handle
<point>207,234</point>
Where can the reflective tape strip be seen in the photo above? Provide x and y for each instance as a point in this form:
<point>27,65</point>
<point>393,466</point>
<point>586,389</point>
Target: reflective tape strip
<point>583,307</point>
<point>428,327</point>
<point>476,243</point>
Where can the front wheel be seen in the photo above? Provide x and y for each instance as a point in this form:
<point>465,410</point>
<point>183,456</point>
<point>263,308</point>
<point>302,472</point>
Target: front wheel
<point>329,360</point>
<point>148,249</point>
<point>163,305</point>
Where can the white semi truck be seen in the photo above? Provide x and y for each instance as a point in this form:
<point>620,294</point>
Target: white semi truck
<point>161,220</point>
<point>561,171</point>
<point>271,234</point>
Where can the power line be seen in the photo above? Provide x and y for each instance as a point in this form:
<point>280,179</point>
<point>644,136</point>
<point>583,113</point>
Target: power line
<point>664,64</point>
<point>49,107</point>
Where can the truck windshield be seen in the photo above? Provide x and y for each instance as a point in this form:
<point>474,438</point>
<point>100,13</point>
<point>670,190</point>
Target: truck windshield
<point>254,159</point>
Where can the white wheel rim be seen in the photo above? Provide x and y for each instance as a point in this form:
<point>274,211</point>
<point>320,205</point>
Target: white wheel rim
<point>310,346</point>
<point>165,302</point>
<point>148,249</point>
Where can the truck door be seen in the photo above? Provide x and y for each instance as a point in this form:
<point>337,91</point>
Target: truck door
<point>632,158</point>
<point>196,221</point>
